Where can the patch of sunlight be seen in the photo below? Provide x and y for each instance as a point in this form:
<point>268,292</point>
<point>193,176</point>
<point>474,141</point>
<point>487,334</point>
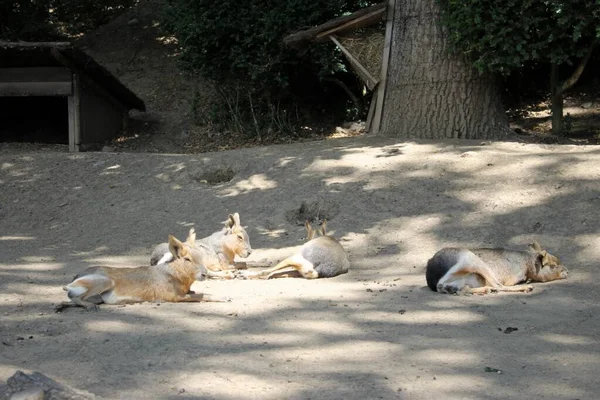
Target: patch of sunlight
<point>380,316</point>
<point>358,352</point>
<point>116,166</point>
<point>567,339</point>
<point>273,233</point>
<point>456,317</point>
<point>503,200</point>
<point>551,388</point>
<point>220,385</point>
<point>176,167</point>
<point>440,356</point>
<point>116,261</point>
<point>167,40</point>
<point>112,172</point>
<point>19,174</point>
<point>37,259</point>
<point>320,327</point>
<point>286,160</point>
<point>110,326</point>
<point>7,165</point>
<point>255,182</point>
<point>2,238</point>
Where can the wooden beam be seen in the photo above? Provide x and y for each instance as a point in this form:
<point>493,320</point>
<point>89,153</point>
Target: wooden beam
<point>302,38</point>
<point>87,82</point>
<point>35,74</point>
<point>366,20</point>
<point>75,116</point>
<point>367,78</point>
<point>371,113</point>
<point>13,45</point>
<point>389,28</point>
<point>36,88</point>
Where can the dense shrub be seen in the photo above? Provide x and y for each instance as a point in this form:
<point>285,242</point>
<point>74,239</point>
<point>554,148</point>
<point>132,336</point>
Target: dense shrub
<point>25,20</point>
<point>239,45</point>
<point>504,36</point>
<point>46,20</point>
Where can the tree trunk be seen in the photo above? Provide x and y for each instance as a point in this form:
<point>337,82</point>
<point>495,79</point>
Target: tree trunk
<point>431,93</point>
<point>556,99</point>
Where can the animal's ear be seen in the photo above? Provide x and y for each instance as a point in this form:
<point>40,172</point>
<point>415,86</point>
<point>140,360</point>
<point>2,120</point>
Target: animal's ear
<point>191,239</point>
<point>236,219</point>
<point>177,248</point>
<point>540,260</point>
<point>323,229</point>
<point>230,223</point>
<point>543,256</point>
<point>310,233</point>
<point>535,246</point>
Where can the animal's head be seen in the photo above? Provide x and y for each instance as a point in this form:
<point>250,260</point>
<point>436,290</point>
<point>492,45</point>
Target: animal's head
<point>185,252</point>
<point>547,267</point>
<point>311,232</point>
<point>237,240</point>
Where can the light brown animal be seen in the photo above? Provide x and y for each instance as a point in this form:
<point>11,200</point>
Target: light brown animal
<point>160,283</point>
<point>481,271</point>
<point>320,257</point>
<point>219,249</point>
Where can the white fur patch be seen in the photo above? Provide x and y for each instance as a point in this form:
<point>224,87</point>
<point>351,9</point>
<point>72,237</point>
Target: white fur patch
<point>471,280</point>
<point>165,259</point>
<point>111,297</point>
<point>75,291</point>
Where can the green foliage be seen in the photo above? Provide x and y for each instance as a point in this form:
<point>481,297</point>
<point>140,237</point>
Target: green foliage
<point>239,45</point>
<point>75,17</point>
<point>46,20</point>
<point>501,36</point>
<point>25,20</point>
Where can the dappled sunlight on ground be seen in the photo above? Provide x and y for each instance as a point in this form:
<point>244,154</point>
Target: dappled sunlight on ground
<point>376,332</point>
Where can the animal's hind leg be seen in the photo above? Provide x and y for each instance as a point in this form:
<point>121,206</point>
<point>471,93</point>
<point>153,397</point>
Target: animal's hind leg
<point>491,289</point>
<point>88,286</point>
<point>470,264</point>
<point>285,273</point>
<point>296,262</point>
<point>220,274</point>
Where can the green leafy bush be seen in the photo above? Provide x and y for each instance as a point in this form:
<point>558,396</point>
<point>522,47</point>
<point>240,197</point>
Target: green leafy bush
<point>504,36</point>
<point>25,20</point>
<point>239,45</point>
<point>46,20</point>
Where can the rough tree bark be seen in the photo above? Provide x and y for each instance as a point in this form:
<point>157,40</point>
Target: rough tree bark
<point>430,93</point>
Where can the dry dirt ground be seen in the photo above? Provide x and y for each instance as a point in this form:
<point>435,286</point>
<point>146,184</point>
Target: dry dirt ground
<point>376,332</point>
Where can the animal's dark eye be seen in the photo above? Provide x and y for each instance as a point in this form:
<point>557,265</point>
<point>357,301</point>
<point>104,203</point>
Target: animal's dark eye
<point>187,258</point>
<point>241,238</point>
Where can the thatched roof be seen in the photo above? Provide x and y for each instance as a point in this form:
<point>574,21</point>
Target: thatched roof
<point>49,54</point>
<point>359,19</point>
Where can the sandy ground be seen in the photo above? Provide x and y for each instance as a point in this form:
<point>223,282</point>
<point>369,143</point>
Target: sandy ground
<point>376,332</point>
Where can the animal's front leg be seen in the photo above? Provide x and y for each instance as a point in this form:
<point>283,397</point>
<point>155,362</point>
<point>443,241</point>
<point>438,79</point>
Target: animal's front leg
<point>76,302</point>
<point>198,297</point>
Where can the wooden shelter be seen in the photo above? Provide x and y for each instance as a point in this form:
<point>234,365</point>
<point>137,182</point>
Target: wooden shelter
<point>97,103</point>
<point>336,30</point>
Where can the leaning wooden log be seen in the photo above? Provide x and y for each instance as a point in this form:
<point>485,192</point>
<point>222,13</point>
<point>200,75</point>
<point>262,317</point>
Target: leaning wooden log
<point>361,18</point>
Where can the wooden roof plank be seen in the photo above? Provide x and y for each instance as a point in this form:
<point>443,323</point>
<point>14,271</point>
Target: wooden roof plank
<point>303,37</point>
<point>360,22</point>
<point>72,57</point>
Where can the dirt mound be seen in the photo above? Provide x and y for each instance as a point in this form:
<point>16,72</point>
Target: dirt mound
<point>135,49</point>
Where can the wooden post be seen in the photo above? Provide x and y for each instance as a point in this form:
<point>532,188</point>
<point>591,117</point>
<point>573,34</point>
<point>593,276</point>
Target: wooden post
<point>369,122</point>
<point>75,116</point>
<point>389,26</point>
